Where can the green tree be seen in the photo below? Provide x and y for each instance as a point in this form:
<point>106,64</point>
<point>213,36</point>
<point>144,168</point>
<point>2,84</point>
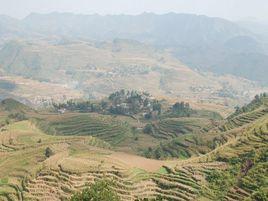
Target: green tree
<point>99,191</point>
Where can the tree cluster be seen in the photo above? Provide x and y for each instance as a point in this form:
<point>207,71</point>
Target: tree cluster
<point>120,102</point>
<point>181,109</point>
<point>133,102</point>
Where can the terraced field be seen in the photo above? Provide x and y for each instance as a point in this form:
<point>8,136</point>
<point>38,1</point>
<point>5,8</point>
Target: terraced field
<point>174,127</point>
<point>23,156</point>
<point>243,119</point>
<point>255,109</point>
<point>101,126</point>
<point>175,184</point>
<point>182,138</point>
<point>253,144</point>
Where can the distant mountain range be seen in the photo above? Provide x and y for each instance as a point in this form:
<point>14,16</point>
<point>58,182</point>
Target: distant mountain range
<point>201,42</point>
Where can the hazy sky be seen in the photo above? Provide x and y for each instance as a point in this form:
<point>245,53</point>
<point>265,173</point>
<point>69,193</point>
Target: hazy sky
<point>230,9</point>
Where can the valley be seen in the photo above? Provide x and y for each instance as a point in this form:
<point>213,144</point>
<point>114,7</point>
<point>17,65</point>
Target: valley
<point>160,106</point>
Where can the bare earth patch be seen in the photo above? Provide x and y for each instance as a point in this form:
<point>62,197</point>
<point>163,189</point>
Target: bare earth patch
<point>134,161</point>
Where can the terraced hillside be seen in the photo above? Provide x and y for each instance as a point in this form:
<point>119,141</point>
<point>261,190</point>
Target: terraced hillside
<point>181,138</point>
<point>177,184</point>
<point>22,154</point>
<point>182,147</point>
<point>234,167</point>
<point>247,114</point>
<point>209,134</point>
<point>26,174</point>
<point>173,127</point>
<point>101,126</point>
<point>246,156</point>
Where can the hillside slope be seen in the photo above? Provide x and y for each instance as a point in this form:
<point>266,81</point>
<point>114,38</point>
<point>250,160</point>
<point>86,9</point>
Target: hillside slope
<point>235,169</point>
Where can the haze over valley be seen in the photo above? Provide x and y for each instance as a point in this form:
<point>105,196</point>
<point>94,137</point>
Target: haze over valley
<point>200,58</point>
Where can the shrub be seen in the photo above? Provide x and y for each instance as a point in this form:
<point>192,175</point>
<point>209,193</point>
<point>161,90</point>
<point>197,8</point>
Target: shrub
<point>11,141</point>
<point>260,195</point>
<point>220,182</point>
<point>48,152</point>
<point>148,129</point>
